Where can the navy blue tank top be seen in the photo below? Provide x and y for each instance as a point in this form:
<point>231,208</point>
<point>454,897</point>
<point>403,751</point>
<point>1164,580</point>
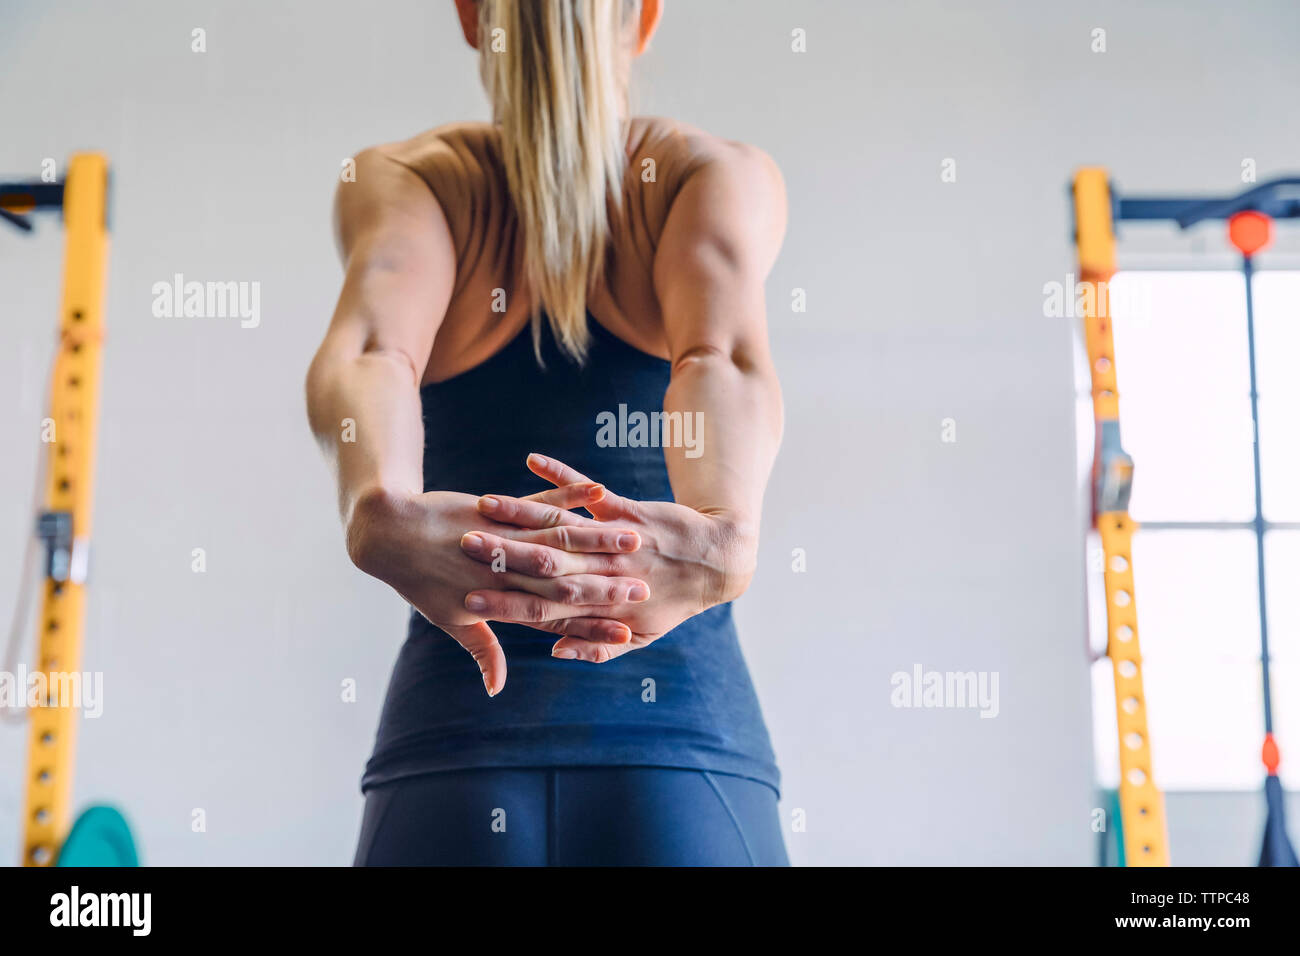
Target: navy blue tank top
<point>685,700</point>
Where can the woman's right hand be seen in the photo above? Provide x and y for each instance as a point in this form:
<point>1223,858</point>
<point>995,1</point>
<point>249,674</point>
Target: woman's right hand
<point>414,544</point>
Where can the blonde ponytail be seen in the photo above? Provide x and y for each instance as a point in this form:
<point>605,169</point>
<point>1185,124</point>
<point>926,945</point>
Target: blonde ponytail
<point>555,71</point>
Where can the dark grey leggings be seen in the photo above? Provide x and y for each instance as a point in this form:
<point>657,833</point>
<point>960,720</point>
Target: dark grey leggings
<point>579,816</point>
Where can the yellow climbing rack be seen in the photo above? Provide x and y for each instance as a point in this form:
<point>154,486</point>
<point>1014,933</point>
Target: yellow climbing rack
<point>65,523</point>
<point>1142,808</point>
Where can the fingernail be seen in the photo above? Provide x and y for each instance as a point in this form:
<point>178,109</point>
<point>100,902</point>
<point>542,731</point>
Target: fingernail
<point>472,543</point>
<point>626,542</point>
<point>638,592</point>
<point>538,460</point>
<point>565,654</point>
<point>488,686</point>
<point>488,504</point>
<point>476,602</point>
<point>595,491</point>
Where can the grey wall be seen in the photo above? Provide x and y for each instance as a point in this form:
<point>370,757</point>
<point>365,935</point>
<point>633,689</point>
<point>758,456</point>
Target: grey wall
<point>924,303</point>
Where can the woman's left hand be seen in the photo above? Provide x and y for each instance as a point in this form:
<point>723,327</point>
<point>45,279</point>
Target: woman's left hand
<point>691,560</point>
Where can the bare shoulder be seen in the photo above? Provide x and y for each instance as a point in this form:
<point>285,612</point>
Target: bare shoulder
<point>705,188</point>
<point>687,149</point>
<point>457,167</point>
<point>377,195</point>
<point>448,158</point>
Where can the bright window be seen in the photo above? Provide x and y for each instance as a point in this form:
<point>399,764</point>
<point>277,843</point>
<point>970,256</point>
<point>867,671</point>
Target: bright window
<point>1184,380</point>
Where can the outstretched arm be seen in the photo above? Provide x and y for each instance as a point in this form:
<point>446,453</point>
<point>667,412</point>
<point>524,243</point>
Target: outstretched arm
<point>722,235</point>
<point>363,385</point>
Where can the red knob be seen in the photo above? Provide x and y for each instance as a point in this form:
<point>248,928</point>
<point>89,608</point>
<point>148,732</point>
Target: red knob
<point>1250,231</point>
<point>1270,755</point>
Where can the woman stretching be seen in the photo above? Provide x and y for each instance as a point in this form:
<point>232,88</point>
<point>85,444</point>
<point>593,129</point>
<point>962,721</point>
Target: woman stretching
<point>572,295</point>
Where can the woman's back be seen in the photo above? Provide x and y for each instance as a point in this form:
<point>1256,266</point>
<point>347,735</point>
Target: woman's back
<point>683,701</point>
